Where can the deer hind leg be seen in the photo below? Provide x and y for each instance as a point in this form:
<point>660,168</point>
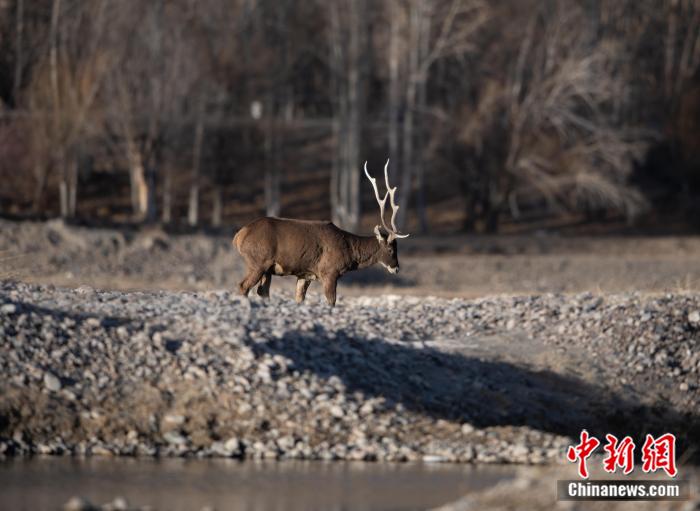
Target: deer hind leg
<point>330,284</point>
<point>302,286</point>
<point>264,287</point>
<point>254,275</point>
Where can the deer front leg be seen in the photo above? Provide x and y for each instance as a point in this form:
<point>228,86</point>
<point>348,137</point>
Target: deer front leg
<point>264,287</point>
<point>302,286</point>
<point>330,283</point>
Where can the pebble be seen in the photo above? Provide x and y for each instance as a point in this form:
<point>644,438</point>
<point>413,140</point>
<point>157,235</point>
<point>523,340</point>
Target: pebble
<point>433,458</point>
<point>174,438</point>
<point>232,445</point>
<point>51,382</point>
<point>467,428</point>
<point>118,504</point>
<point>337,412</point>
<point>78,504</point>
<point>8,308</point>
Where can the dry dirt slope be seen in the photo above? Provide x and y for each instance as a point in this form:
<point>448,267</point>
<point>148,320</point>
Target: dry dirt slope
<point>449,266</point>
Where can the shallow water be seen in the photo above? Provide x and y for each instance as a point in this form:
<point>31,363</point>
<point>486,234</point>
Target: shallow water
<point>177,484</point>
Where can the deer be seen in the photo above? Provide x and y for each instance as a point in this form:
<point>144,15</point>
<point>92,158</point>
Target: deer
<point>315,250</point>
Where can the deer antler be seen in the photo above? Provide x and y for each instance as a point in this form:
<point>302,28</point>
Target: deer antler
<point>393,231</point>
<point>381,202</point>
<point>394,207</point>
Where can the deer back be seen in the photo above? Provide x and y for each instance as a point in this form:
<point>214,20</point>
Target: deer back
<point>296,246</point>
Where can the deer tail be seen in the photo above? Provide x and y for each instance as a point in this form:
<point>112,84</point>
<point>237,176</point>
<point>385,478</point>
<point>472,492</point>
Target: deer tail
<point>238,238</point>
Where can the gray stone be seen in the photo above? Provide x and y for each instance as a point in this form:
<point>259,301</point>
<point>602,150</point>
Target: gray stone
<point>694,317</point>
<point>78,504</point>
<point>51,382</point>
<point>233,445</point>
<point>434,458</point>
<point>337,412</point>
<point>173,420</point>
<point>118,504</point>
<point>8,308</point>
<point>174,438</point>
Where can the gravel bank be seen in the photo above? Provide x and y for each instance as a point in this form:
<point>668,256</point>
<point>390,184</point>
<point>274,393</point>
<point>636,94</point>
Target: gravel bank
<point>506,379</point>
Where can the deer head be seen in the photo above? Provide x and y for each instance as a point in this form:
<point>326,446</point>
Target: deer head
<point>388,255</point>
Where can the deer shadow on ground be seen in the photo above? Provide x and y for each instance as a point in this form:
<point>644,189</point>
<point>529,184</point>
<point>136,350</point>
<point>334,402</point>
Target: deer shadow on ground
<point>376,276</point>
<point>452,386</point>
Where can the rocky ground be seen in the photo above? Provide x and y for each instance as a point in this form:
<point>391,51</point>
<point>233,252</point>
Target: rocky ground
<point>501,379</point>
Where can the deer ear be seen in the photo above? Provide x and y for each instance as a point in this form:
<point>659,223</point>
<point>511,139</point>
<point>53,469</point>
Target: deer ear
<point>378,234</point>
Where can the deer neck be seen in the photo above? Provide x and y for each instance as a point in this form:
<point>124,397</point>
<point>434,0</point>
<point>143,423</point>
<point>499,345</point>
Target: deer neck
<point>365,250</point>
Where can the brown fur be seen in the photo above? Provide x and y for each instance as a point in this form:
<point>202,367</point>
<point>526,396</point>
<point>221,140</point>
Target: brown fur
<point>309,250</point>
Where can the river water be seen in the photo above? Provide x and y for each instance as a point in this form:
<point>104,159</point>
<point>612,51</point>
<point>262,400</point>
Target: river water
<point>178,484</point>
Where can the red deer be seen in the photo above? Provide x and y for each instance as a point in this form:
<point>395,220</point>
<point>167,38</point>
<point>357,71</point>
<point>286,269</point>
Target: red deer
<point>313,250</point>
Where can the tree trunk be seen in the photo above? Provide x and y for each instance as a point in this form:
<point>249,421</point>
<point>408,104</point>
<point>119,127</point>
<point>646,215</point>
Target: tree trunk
<point>72,186</point>
<point>357,58</point>
<point>394,91</point>
<point>68,187</point>
<point>494,203</point>
<point>193,206</point>
<point>166,214</point>
<point>216,207</point>
<point>272,202</point>
<point>469,223</point>
<point>53,56</point>
<point>349,57</point>
<point>337,91</point>
<point>19,54</point>
<point>335,174</point>
<point>355,114</point>
<point>272,172</point>
<point>670,50</point>
<point>56,142</point>
<point>407,158</point>
<point>423,44</point>
<point>411,93</point>
<point>63,196</point>
<point>193,210</point>
<point>139,187</point>
<point>151,175</point>
<point>40,172</point>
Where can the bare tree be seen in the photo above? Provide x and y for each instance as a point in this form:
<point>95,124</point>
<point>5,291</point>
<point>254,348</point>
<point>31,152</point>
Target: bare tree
<point>349,47</point>
<point>422,33</point>
<point>149,89</point>
<point>563,141</point>
<point>19,50</point>
<point>63,101</point>
<point>533,108</point>
<point>193,213</point>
